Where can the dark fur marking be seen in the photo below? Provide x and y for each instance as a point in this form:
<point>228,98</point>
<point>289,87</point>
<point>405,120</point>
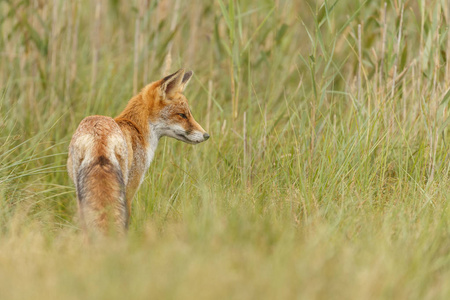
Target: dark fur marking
<point>186,76</point>
<point>122,194</point>
<point>80,185</point>
<point>170,76</point>
<point>102,160</point>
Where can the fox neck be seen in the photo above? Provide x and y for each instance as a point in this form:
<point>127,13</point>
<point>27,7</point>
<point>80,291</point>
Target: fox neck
<point>138,111</point>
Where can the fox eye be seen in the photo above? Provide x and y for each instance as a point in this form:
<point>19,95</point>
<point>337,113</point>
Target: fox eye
<point>183,116</point>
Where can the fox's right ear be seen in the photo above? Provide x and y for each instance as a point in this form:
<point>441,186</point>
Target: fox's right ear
<point>186,78</point>
<point>172,83</point>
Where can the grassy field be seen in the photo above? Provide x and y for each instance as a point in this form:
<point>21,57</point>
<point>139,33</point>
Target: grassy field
<point>326,175</point>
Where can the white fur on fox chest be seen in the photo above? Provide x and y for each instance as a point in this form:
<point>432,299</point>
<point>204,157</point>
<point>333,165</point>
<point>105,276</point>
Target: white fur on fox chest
<point>142,157</point>
<point>153,139</point>
<point>151,147</point>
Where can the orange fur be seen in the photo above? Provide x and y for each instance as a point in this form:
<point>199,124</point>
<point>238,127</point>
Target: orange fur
<point>109,157</point>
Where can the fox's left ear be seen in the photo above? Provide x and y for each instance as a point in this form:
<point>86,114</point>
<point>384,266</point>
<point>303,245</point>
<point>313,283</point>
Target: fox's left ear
<point>172,83</point>
<point>186,78</point>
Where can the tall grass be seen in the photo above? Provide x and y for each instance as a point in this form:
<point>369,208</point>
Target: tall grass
<point>326,175</point>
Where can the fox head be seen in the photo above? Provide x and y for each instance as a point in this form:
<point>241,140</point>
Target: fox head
<point>170,114</point>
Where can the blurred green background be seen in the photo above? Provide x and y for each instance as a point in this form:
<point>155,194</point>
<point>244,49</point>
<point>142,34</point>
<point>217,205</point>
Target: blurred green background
<point>326,175</point>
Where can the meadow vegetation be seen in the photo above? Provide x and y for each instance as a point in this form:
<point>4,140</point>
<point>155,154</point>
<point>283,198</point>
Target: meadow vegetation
<point>326,175</point>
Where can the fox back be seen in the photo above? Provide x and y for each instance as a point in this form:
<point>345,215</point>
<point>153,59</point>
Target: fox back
<point>108,157</point>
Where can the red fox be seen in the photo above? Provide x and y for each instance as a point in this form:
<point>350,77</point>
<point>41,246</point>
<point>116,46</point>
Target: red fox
<point>109,157</point>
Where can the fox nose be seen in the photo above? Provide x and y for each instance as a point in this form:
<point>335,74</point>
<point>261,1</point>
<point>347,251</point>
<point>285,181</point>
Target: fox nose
<point>205,136</point>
